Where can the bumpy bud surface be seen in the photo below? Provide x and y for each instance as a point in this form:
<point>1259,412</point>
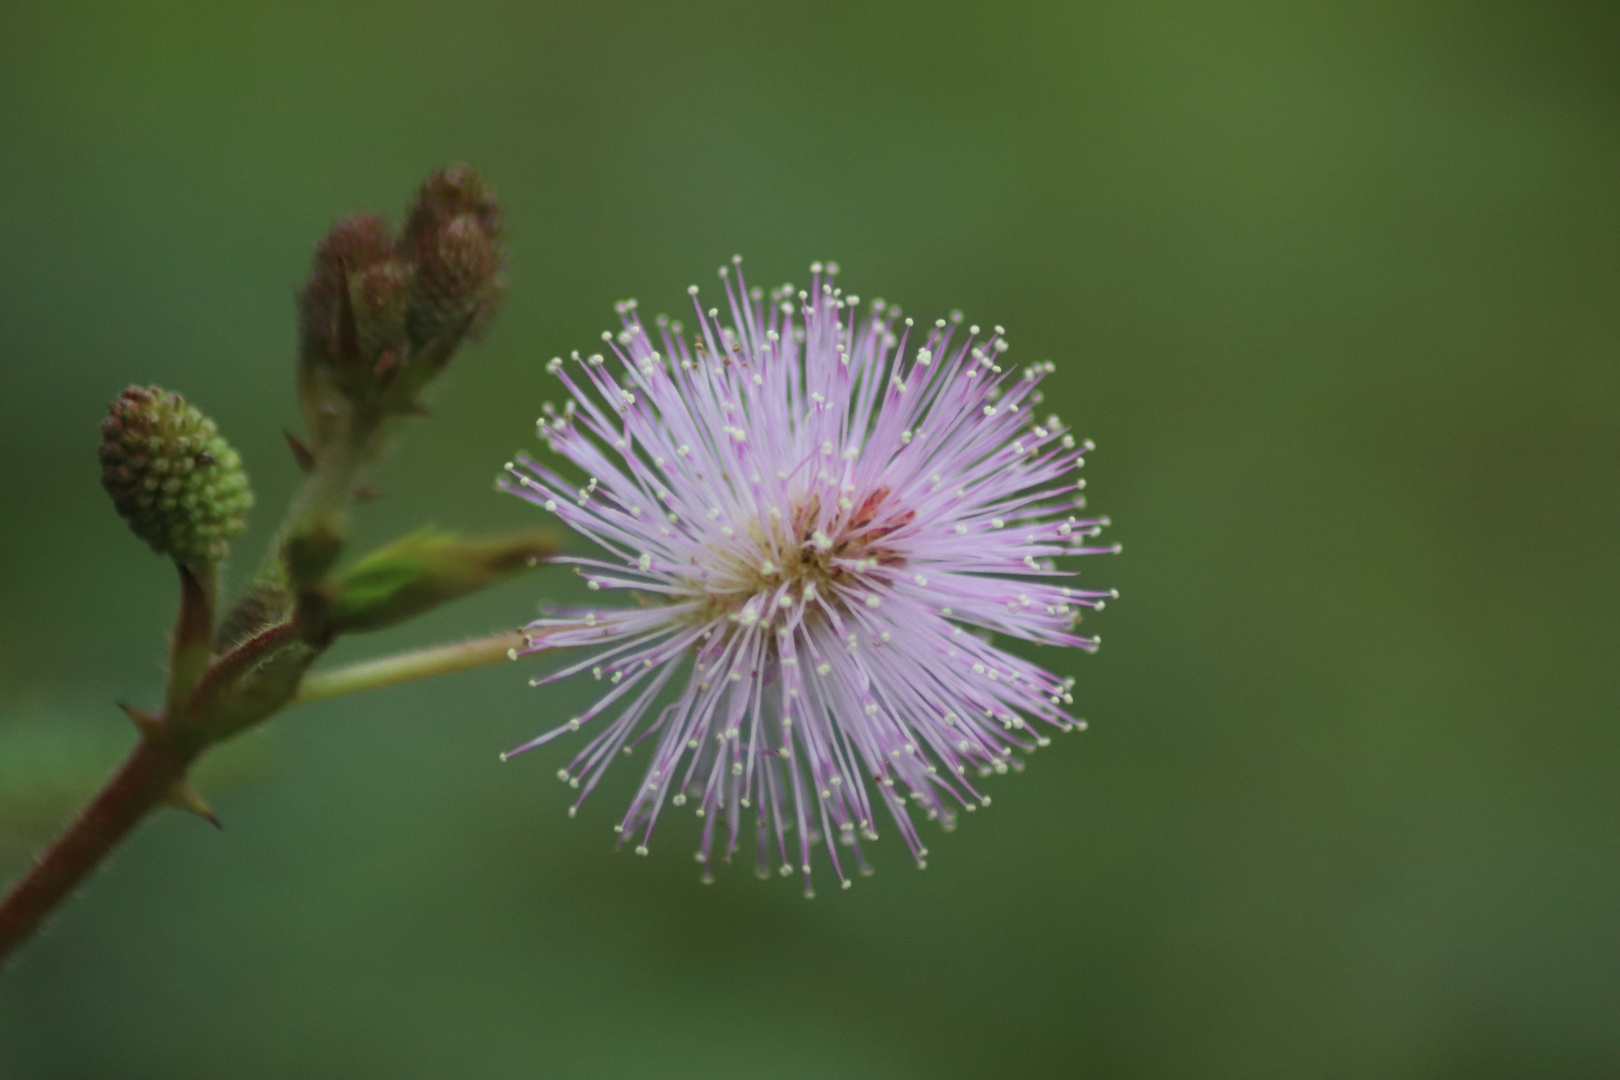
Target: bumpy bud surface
<point>172,476</point>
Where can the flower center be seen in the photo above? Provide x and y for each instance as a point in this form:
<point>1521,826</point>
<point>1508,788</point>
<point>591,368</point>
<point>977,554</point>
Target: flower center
<point>805,555</point>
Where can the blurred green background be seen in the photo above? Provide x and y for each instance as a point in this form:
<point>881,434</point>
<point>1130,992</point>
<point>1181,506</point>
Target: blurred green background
<point>1336,290</point>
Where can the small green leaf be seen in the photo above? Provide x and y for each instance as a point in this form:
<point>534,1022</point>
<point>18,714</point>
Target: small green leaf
<point>426,569</point>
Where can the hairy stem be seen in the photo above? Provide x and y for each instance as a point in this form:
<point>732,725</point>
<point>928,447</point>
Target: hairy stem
<point>144,780</point>
<point>150,774</point>
<point>407,667</point>
<point>153,769</point>
<point>328,488</point>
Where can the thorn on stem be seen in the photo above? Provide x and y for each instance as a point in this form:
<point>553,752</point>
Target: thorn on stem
<point>183,796</point>
<point>145,722</point>
<point>301,452</point>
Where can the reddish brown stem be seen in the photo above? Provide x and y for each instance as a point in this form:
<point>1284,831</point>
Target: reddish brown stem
<point>142,782</point>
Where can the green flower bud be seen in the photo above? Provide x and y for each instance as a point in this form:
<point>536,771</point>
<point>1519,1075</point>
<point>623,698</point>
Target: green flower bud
<point>172,477</point>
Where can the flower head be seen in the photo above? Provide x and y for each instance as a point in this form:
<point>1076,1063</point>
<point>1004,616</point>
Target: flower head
<point>829,511</point>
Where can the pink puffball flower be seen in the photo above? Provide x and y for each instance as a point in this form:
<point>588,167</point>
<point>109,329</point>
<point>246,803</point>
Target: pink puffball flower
<point>825,514</point>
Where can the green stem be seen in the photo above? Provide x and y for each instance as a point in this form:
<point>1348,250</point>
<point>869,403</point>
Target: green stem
<point>327,489</point>
<point>189,652</point>
<point>407,667</point>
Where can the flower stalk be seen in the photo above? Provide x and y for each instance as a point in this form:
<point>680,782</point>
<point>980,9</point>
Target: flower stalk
<point>411,666</point>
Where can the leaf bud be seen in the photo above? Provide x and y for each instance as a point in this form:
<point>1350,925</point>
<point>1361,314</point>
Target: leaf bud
<point>426,569</point>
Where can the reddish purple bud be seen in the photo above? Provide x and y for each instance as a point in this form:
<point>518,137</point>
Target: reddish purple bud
<point>381,316</point>
<point>449,194</point>
<point>378,297</point>
<point>324,304</point>
<point>458,285</point>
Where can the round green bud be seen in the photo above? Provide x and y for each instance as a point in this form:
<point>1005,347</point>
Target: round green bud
<point>172,476</point>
